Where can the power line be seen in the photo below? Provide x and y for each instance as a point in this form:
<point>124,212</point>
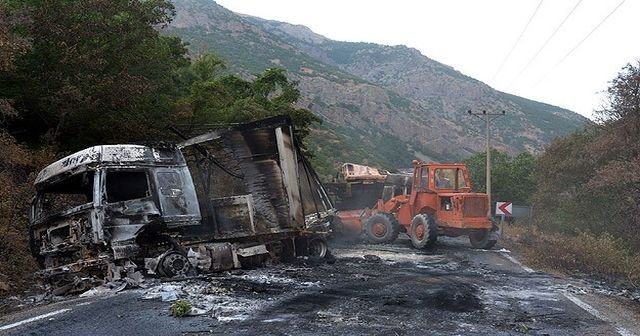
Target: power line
<point>504,61</point>
<point>581,42</point>
<point>591,32</point>
<point>546,42</point>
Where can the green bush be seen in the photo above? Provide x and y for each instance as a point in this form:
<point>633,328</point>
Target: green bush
<point>180,308</point>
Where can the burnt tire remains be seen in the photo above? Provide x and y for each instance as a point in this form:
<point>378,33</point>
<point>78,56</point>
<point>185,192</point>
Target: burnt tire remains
<point>423,231</point>
<point>381,228</point>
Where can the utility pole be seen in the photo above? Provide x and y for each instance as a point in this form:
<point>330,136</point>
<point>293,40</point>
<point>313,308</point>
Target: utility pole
<point>487,119</point>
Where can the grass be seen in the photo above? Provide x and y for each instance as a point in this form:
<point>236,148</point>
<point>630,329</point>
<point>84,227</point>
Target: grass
<point>600,256</point>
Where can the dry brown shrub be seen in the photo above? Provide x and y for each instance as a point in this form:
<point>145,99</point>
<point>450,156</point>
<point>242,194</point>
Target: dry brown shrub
<point>601,256</point>
<point>18,167</point>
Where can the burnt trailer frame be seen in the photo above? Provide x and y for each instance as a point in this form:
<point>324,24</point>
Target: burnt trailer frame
<point>272,182</point>
<point>150,204</point>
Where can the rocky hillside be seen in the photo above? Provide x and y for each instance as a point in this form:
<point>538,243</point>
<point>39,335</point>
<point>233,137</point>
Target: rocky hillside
<point>381,105</point>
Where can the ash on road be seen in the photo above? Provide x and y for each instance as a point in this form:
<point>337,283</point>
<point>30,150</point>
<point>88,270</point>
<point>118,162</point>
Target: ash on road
<point>367,290</point>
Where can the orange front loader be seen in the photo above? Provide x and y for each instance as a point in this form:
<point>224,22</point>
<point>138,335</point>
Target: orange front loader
<point>440,203</point>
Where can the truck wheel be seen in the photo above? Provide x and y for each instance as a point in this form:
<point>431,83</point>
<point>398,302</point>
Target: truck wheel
<point>381,228</point>
<point>318,248</point>
<point>482,238</point>
<point>423,231</point>
<point>174,264</point>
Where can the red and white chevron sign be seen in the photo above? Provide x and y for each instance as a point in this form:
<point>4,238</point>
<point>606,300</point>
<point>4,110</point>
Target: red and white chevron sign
<point>504,208</point>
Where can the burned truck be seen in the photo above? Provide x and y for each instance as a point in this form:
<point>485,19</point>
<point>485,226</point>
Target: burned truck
<point>224,199</point>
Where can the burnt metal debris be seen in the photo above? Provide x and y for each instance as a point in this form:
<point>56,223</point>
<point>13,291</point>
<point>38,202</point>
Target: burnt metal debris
<point>221,200</point>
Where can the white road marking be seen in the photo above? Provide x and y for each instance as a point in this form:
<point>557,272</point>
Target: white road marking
<point>589,309</point>
<point>35,318</point>
<point>515,261</point>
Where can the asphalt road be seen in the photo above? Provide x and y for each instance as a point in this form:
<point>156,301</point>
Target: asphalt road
<point>369,290</point>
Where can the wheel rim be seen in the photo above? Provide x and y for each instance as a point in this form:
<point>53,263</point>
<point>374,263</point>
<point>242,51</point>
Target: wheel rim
<point>379,229</point>
<point>318,248</point>
<point>420,231</point>
<point>174,264</point>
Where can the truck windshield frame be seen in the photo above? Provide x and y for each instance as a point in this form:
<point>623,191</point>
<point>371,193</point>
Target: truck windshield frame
<point>67,195</point>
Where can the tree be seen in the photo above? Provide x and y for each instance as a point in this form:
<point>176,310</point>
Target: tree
<point>97,71</point>
<point>12,45</point>
<point>217,98</point>
<point>590,180</point>
<point>561,172</point>
<point>623,97</point>
<point>512,177</point>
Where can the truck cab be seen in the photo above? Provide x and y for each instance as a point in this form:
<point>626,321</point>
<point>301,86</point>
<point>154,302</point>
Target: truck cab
<point>98,201</point>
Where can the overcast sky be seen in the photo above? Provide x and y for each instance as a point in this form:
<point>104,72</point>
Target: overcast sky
<point>475,37</point>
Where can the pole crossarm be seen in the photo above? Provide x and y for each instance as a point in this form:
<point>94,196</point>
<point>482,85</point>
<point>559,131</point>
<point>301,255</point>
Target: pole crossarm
<point>484,112</point>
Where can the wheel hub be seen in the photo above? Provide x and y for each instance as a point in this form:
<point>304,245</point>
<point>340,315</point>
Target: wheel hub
<point>174,264</point>
<point>379,229</point>
<point>420,231</point>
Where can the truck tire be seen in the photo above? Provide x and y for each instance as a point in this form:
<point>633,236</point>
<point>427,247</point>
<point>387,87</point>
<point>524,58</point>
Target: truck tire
<point>318,248</point>
<point>482,238</point>
<point>423,231</point>
<point>381,228</point>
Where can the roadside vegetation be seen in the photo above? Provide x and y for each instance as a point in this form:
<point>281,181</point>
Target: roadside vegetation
<point>584,189</point>
<point>512,177</point>
<point>599,256</point>
<point>587,195</point>
<point>18,167</point>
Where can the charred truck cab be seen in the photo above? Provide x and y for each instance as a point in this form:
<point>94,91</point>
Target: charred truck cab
<point>218,201</point>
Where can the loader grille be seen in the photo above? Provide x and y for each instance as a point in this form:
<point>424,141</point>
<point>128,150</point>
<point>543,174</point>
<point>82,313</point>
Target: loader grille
<point>475,206</point>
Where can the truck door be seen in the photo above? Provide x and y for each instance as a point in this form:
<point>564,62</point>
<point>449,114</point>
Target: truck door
<point>177,196</point>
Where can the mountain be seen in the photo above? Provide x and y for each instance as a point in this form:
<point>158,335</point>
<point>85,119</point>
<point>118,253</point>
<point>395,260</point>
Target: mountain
<point>381,105</point>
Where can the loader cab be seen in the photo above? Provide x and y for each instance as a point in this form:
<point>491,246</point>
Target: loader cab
<point>439,178</point>
<point>441,187</point>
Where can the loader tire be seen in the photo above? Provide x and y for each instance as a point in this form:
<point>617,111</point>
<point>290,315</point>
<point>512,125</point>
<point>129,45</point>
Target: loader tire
<point>482,238</point>
<point>423,231</point>
<point>381,228</point>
